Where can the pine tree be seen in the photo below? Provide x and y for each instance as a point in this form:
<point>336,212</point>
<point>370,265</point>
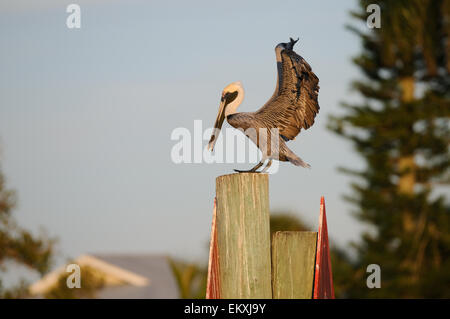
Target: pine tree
<point>19,245</point>
<point>402,131</point>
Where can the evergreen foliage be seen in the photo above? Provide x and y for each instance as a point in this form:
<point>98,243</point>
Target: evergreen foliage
<point>401,129</point>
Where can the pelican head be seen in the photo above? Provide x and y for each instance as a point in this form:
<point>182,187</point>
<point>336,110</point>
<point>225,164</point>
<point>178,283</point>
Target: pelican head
<point>232,96</point>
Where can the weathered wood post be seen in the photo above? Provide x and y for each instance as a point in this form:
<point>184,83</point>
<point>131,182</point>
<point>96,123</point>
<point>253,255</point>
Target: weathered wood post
<point>293,257</point>
<point>243,236</point>
<point>241,262</point>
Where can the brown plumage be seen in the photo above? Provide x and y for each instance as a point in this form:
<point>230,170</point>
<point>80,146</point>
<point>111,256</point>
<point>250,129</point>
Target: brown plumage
<point>293,106</point>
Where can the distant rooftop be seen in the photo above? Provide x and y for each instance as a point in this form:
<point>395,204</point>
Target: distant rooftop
<point>144,276</point>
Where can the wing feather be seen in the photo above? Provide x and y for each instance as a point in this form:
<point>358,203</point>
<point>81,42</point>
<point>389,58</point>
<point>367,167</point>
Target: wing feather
<point>294,105</point>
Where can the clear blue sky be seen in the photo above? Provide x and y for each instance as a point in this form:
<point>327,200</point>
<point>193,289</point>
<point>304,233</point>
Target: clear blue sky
<point>86,115</point>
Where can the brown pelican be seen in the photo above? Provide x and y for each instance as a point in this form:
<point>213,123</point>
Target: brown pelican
<point>292,107</point>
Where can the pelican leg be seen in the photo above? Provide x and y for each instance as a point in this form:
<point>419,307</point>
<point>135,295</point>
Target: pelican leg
<point>253,170</point>
<point>267,166</point>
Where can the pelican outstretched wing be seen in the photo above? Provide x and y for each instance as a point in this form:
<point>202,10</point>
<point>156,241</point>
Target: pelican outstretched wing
<point>294,104</point>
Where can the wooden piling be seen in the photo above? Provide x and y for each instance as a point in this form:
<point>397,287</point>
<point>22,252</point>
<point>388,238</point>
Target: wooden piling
<point>293,256</point>
<point>243,236</point>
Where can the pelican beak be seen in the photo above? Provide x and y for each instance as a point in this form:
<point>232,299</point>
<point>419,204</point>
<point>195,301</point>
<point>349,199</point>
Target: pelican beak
<point>217,125</point>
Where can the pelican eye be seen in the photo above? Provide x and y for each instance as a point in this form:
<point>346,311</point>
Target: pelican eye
<point>230,96</point>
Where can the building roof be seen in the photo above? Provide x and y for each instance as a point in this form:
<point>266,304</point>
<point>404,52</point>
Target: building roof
<point>142,276</point>
<point>154,267</point>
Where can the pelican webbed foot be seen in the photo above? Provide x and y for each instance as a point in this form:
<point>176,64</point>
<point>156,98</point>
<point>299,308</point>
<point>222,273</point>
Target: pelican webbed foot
<point>245,171</point>
<point>253,170</point>
<point>264,170</point>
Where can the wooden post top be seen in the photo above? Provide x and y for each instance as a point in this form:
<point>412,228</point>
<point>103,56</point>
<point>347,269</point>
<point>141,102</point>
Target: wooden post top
<point>243,175</point>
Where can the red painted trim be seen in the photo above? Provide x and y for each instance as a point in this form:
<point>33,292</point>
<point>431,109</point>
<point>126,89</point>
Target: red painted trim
<point>323,276</point>
<point>213,282</point>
